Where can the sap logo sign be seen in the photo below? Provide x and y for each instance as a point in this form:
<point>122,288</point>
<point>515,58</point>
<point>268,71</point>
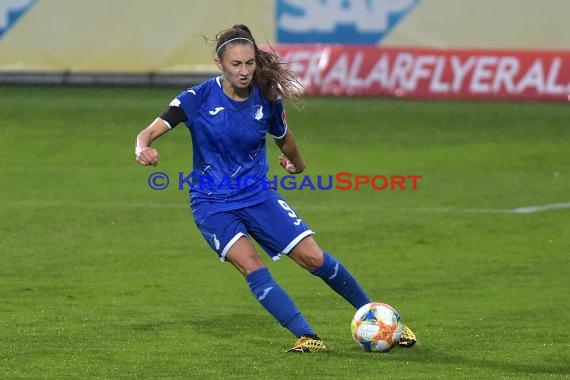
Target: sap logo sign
<point>11,11</point>
<point>339,21</point>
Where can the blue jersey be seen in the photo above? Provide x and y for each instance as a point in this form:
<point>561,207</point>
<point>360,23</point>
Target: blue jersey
<point>229,150</point>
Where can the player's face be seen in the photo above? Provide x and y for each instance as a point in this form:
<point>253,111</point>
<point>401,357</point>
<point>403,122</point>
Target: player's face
<point>238,65</point>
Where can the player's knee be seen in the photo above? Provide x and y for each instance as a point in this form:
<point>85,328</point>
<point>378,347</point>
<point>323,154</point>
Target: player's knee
<point>308,254</point>
<point>314,262</point>
<point>244,257</point>
<point>247,267</point>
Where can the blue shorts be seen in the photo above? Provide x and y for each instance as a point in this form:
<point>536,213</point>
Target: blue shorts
<point>272,223</point>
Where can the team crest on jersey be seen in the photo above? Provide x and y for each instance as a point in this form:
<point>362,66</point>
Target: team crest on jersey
<point>11,11</point>
<point>259,112</point>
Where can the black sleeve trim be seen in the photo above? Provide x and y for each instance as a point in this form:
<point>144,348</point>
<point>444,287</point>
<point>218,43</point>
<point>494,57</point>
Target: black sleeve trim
<point>173,116</point>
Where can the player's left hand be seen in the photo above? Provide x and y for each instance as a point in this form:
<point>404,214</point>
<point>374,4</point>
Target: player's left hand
<point>287,164</point>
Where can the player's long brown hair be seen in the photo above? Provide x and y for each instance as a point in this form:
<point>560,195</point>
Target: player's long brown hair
<point>271,75</point>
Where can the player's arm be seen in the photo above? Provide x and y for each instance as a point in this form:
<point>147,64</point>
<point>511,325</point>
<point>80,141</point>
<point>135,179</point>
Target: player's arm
<point>146,155</point>
<point>167,120</point>
<point>291,159</point>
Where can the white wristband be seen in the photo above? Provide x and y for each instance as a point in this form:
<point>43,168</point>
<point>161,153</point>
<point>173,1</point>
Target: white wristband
<point>138,151</point>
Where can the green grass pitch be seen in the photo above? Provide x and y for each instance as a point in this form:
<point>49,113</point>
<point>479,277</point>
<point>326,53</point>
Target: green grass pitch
<point>102,277</point>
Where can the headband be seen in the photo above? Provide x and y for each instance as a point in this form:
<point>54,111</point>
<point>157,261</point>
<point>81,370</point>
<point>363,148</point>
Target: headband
<point>232,40</point>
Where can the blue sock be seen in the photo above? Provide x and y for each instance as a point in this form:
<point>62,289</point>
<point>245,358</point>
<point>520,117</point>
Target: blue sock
<point>341,281</point>
<point>278,303</point>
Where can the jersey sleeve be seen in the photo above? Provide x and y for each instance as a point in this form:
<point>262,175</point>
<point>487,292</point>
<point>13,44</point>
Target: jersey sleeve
<point>173,114</point>
<point>278,122</point>
<point>182,108</point>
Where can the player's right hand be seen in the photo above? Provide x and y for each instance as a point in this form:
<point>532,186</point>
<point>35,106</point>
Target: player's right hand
<point>148,157</point>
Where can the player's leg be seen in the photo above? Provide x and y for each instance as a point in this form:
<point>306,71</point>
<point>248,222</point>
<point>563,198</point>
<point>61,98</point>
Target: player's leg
<point>243,257</point>
<point>266,226</point>
<point>279,230</point>
<point>227,235</point>
<point>266,290</point>
<point>310,256</point>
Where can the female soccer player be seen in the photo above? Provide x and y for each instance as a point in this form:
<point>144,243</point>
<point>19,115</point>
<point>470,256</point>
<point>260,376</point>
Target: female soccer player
<point>229,117</point>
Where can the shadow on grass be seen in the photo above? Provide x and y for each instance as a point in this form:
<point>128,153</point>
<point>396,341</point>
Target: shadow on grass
<point>421,355</point>
<point>248,327</point>
<point>222,325</point>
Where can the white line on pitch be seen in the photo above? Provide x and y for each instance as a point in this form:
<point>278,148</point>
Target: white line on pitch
<point>531,209</point>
